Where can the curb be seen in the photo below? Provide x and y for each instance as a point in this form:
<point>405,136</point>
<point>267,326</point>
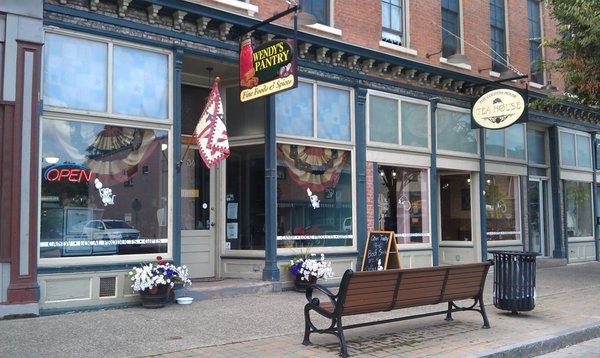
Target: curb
<point>545,344</point>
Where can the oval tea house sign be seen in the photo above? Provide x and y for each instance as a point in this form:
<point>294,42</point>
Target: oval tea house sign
<point>498,109</point>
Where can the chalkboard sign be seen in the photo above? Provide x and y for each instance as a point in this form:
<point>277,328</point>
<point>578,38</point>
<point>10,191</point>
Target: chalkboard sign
<point>381,251</point>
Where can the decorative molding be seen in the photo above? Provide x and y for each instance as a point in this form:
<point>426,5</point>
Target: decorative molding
<point>152,11</point>
<point>178,19</point>
<point>202,23</point>
<point>93,4</point>
<point>397,71</point>
<point>457,85</point>
<point>410,73</point>
<point>435,80</point>
<point>123,5</point>
<point>353,61</point>
<point>382,67</point>
<point>322,54</point>
<point>367,64</point>
<point>446,82</point>
<point>336,57</point>
<point>224,29</point>
<point>62,2</point>
<point>303,49</point>
<point>422,77</point>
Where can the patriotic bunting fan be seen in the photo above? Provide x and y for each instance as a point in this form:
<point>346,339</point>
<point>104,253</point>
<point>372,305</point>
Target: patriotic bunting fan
<point>210,133</point>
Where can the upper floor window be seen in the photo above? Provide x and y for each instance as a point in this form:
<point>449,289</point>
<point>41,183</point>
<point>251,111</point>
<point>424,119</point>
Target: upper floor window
<point>498,35</point>
<point>318,8</point>
<point>575,150</point>
<point>535,41</point>
<point>393,21</point>
<point>450,27</point>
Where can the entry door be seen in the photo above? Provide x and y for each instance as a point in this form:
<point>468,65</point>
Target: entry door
<point>458,198</point>
<point>198,214</point>
<point>536,216</point>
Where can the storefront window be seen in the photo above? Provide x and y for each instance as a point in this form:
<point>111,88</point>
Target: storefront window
<point>536,148</point>
<point>294,111</point>
<point>333,113</point>
<point>104,190</point>
<point>494,143</point>
<point>415,125</point>
<point>454,132</point>
<point>140,82</point>
<point>245,198</point>
<point>578,209</point>
<point>455,207</point>
<point>383,120</point>
<point>75,73</point>
<point>506,143</point>
<point>584,158</point>
<point>314,196</point>
<point>502,207</point>
<point>575,150</point>
<point>388,114</point>
<point>404,203</point>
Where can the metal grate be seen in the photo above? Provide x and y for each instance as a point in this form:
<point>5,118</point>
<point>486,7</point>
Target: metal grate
<point>108,286</point>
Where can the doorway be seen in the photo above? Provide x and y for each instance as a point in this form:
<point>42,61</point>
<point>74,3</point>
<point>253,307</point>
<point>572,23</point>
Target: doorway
<point>537,215</point>
<point>458,198</point>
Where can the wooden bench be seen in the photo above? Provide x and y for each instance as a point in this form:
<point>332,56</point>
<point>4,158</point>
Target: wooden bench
<point>379,291</point>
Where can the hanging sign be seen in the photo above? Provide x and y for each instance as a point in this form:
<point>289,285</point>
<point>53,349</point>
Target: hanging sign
<point>498,109</point>
<point>66,171</point>
<point>267,69</point>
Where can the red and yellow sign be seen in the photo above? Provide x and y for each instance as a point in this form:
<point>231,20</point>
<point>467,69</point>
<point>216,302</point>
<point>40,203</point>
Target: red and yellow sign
<point>267,69</point>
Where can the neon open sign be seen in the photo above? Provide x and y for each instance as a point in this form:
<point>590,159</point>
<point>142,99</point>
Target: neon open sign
<point>71,172</point>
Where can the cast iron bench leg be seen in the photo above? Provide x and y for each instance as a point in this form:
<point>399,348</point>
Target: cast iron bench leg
<point>306,340</point>
<point>340,334</point>
<point>449,313</point>
<point>486,323</point>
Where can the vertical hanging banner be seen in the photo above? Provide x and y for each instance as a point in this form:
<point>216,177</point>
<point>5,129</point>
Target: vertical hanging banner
<point>266,69</point>
<point>210,133</point>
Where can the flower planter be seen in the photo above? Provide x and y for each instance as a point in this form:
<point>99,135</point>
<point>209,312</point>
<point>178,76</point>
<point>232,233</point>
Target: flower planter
<point>301,285</point>
<point>156,297</point>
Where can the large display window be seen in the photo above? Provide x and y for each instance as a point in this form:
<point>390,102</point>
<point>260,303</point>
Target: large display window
<point>403,203</point>
<point>502,207</point>
<point>578,209</point>
<point>104,190</point>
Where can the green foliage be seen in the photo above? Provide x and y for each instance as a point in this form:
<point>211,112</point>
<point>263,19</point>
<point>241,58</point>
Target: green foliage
<point>579,46</point>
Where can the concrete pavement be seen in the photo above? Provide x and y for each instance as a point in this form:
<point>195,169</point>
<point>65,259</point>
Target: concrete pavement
<point>585,349</point>
<point>271,324</point>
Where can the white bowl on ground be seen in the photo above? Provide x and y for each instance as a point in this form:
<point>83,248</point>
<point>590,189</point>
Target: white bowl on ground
<point>185,300</point>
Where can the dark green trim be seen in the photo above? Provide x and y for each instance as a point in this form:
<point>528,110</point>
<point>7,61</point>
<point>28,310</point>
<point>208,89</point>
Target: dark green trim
<point>270,271</point>
<point>360,97</point>
<point>177,70</point>
<point>525,197</point>
<point>564,222</point>
<point>433,184</point>
<point>595,194</point>
<point>482,207</point>
<point>557,223</point>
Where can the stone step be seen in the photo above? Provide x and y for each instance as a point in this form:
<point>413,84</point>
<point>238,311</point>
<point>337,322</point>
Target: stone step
<point>206,290</point>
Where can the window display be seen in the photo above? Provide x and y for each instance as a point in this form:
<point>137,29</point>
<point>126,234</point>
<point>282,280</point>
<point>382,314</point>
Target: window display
<point>578,209</point>
<point>314,196</point>
<point>104,190</point>
<point>502,207</point>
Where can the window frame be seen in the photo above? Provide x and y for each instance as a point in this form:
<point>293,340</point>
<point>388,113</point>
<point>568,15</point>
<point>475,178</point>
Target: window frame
<point>518,219</point>
<point>506,137</point>
<point>460,27</point>
<point>329,13</point>
<point>399,99</point>
<point>109,90</point>
<point>589,184</point>
<point>541,53</point>
<point>545,133</point>
<point>403,32</point>
<point>430,226</point>
<point>454,153</point>
<point>504,29</point>
<point>575,133</point>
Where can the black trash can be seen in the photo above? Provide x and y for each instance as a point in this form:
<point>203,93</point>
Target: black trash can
<point>514,280</point>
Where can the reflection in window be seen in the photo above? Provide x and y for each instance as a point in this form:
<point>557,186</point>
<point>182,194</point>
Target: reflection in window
<point>502,207</point>
<point>536,147</point>
<point>454,132</point>
<point>333,113</point>
<point>195,190</point>
<point>140,82</point>
<point>75,73</point>
<point>415,125</point>
<point>494,143</point>
<point>578,209</point>
<point>314,197</point>
<point>455,207</point>
<point>294,111</point>
<point>245,198</point>
<point>104,190</point>
<point>383,120</point>
<point>584,158</point>
<point>403,203</point>
<point>567,149</point>
<point>506,143</point>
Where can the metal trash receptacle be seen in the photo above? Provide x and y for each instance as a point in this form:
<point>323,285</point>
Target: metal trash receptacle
<point>514,280</point>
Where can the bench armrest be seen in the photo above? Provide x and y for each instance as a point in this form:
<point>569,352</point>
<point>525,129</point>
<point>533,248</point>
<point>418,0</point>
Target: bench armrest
<point>314,300</point>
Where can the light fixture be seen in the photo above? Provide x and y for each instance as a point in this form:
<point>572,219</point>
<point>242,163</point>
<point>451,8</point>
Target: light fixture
<point>469,180</point>
<point>381,173</point>
<point>51,160</point>
<point>489,181</point>
<point>394,173</point>
<point>164,146</point>
<point>458,59</point>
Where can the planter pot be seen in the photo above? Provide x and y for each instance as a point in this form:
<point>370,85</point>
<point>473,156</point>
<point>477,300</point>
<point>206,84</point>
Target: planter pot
<point>156,297</point>
<point>301,285</point>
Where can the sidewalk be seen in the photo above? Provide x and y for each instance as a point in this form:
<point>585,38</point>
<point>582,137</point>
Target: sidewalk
<point>271,325</point>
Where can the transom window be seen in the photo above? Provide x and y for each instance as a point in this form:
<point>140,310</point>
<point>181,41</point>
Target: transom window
<point>454,132</point>
<point>575,150</point>
<point>506,143</point>
<point>535,41</point>
<point>393,21</point>
<point>536,147</point>
<point>450,27</point>
<point>498,35</point>
<point>318,8</point>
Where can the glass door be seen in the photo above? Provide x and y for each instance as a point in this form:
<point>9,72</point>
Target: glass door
<point>536,216</point>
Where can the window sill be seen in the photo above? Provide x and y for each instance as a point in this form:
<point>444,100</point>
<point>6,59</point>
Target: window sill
<point>390,46</point>
<point>536,85</point>
<point>581,239</point>
<point>494,74</point>
<point>500,243</point>
<point>324,28</point>
<point>464,66</point>
<point>238,4</point>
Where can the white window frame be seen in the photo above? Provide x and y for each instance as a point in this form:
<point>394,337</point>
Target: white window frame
<point>452,152</point>
<point>575,133</point>
<point>109,84</point>
<point>506,158</point>
<point>399,99</point>
<point>315,141</point>
<point>518,219</point>
<point>582,238</point>
<point>427,169</point>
